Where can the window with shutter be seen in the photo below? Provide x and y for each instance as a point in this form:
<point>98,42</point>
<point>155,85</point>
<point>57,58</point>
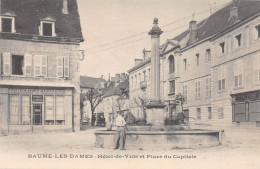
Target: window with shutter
<point>66,67</point>
<point>6,63</point>
<point>37,65</point>
<point>238,73</point>
<point>60,66</point>
<point>44,65</point>
<point>28,64</point>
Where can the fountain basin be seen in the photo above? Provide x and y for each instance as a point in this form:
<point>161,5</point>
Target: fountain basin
<point>161,139</point>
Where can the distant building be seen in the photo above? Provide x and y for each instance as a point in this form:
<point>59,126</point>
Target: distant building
<point>39,78</point>
<point>214,64</point>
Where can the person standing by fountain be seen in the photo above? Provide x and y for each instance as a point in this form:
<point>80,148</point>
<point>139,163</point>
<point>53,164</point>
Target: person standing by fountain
<point>120,136</point>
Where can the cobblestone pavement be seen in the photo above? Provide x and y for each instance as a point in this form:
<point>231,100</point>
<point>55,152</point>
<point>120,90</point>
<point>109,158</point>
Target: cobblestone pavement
<point>240,149</point>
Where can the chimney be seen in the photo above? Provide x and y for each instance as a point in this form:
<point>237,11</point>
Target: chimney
<point>65,9</point>
<point>138,61</point>
<point>193,31</point>
<point>234,13</point>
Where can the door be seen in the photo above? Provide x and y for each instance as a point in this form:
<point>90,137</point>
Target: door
<point>186,113</point>
<point>37,118</point>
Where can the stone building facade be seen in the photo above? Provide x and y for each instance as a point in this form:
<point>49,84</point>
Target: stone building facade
<point>214,64</point>
<point>39,79</point>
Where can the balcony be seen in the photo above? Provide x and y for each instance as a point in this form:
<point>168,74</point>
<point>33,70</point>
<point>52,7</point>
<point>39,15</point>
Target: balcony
<point>143,85</point>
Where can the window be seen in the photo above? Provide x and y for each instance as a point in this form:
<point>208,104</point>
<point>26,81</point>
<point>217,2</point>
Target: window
<point>63,66</point>
<point>238,73</point>
<point>197,89</point>
<point>185,91</point>
<point>144,72</point>
<point>220,113</point>
<point>257,31</point>
<point>256,67</point>
<point>171,64</point>
<point>132,81</point>
<point>149,74</point>
<point>238,41</point>
<point>198,59</point>
<point>185,64</point>
<point>7,24</point>
<point>140,78</point>
<point>222,47</point>
<point>172,87</point>
<point>221,78</point>
<point>209,113</point>
<point>60,112</point>
<point>47,28</point>
<point>135,79</point>
<point>198,114</point>
<point>14,109</point>
<point>40,65</point>
<point>208,55</point>
<point>17,65</point>
<point>208,90</point>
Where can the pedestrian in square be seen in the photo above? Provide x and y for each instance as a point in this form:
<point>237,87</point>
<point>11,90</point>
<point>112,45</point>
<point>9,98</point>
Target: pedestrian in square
<point>120,135</point>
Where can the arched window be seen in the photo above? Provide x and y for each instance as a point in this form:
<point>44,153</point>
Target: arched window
<point>171,64</point>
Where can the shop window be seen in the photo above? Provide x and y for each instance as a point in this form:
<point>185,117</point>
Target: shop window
<point>198,114</point>
<point>26,110</point>
<point>238,73</point>
<point>209,113</point>
<point>63,66</point>
<point>49,110</point>
<point>197,90</point>
<point>60,112</point>
<point>14,109</point>
<point>172,87</point>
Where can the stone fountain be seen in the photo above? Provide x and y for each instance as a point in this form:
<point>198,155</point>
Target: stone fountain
<point>157,136</point>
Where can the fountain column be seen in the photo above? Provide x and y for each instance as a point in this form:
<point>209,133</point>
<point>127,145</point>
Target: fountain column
<point>154,107</point>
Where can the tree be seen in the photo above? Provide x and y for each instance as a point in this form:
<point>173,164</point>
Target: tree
<point>95,97</point>
<point>180,99</point>
<point>120,102</point>
<point>141,102</point>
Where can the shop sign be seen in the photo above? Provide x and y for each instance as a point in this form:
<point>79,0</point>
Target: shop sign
<point>37,98</point>
<point>35,91</point>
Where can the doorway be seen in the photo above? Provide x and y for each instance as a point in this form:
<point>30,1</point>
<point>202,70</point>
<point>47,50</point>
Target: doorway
<point>37,114</point>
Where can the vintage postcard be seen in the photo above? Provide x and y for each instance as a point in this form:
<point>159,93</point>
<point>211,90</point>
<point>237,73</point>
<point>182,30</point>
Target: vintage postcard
<point>126,84</point>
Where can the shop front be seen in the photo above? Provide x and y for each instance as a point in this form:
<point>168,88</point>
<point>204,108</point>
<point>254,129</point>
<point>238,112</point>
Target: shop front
<point>246,107</point>
<point>36,110</point>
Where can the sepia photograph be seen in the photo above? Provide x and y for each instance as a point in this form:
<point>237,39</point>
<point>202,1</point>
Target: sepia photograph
<point>129,84</point>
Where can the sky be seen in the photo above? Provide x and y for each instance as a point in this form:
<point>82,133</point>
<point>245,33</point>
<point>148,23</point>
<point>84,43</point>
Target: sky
<point>116,31</point>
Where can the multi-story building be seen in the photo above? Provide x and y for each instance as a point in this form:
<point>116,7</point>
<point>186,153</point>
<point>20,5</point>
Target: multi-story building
<point>205,64</point>
<point>39,78</point>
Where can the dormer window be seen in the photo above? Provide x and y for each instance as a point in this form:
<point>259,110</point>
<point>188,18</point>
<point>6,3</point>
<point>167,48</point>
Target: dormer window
<point>7,22</point>
<point>47,27</point>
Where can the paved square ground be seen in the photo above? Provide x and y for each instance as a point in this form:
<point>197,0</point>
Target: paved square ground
<point>240,149</point>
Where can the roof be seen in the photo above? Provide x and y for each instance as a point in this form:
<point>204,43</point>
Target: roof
<point>29,13</point>
<point>119,89</point>
<point>220,20</point>
<point>139,65</point>
<point>90,82</point>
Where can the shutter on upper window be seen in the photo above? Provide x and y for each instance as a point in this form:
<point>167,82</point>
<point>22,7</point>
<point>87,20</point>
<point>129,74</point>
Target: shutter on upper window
<point>44,65</point>
<point>60,66</point>
<point>66,66</point>
<point>6,63</point>
<point>37,65</point>
<point>28,64</point>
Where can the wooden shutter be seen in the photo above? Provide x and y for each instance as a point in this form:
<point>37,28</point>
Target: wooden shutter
<point>66,66</point>
<point>60,66</point>
<point>37,65</point>
<point>44,65</point>
<point>7,63</point>
<point>28,64</point>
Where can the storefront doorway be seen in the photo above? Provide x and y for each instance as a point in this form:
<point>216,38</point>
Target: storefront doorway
<point>37,114</point>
